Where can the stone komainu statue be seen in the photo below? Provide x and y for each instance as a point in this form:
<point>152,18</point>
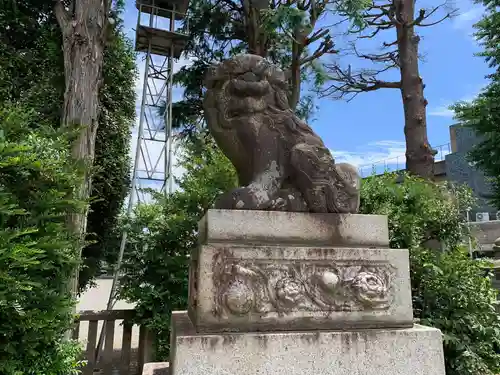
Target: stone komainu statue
<point>281,163</point>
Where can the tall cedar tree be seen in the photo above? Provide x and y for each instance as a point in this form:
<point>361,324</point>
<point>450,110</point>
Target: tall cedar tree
<point>84,27</point>
<point>286,32</point>
<point>483,114</point>
<point>401,52</point>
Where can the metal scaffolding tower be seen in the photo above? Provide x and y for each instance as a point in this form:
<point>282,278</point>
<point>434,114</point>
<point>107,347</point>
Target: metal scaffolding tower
<point>159,35</point>
<point>153,154</point>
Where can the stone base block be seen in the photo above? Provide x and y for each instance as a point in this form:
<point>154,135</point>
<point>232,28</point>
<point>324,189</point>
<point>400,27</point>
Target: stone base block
<point>259,288</point>
<point>412,351</point>
<point>156,368</point>
<point>293,228</point>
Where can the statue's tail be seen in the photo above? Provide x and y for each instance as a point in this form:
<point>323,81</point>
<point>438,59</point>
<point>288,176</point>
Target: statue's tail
<point>326,186</point>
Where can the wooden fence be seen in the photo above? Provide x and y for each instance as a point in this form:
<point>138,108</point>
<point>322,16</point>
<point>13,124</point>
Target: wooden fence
<point>115,359</point>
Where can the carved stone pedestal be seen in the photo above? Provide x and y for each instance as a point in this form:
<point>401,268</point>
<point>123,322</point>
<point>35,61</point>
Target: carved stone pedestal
<point>253,271</point>
<point>294,293</point>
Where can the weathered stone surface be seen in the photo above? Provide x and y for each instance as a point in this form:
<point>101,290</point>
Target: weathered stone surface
<point>262,288</point>
<point>486,233</point>
<point>156,368</point>
<point>281,163</point>
<point>296,228</point>
<point>413,351</point>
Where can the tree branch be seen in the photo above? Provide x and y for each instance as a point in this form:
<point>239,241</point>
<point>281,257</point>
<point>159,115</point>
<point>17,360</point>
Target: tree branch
<point>347,91</point>
<point>321,33</point>
<point>385,44</point>
<point>424,15</point>
<point>391,56</point>
<point>231,5</point>
<point>63,17</point>
<point>326,47</point>
<point>421,16</point>
<point>373,34</point>
<point>436,22</point>
<point>345,82</point>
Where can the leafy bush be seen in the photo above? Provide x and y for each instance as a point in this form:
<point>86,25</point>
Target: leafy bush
<point>32,73</point>
<point>37,255</point>
<point>161,236</point>
<point>450,291</point>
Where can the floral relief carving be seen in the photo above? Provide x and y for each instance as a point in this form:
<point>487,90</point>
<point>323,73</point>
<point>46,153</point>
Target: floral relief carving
<point>247,286</point>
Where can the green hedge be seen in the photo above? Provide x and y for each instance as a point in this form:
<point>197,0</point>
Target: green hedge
<point>37,256</point>
<point>450,291</point>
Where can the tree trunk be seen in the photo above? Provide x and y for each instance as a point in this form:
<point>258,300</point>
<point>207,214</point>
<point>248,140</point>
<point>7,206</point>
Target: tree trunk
<point>257,39</point>
<point>295,78</point>
<point>419,154</point>
<point>83,29</point>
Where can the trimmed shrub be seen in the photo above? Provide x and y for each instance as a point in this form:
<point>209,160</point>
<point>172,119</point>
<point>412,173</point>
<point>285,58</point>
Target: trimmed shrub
<point>450,291</point>
<point>37,255</point>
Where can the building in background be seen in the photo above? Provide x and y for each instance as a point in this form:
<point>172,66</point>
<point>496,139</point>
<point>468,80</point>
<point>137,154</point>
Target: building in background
<point>459,169</point>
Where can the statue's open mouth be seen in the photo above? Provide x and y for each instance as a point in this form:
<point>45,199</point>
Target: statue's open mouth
<point>242,88</point>
<point>244,106</point>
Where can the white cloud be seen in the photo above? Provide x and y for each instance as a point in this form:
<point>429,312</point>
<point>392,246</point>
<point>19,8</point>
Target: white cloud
<point>380,156</point>
<point>467,16</point>
<point>373,154</point>
<point>443,110</point>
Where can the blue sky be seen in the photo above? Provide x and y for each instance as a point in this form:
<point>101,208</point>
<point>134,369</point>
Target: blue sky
<point>370,127</point>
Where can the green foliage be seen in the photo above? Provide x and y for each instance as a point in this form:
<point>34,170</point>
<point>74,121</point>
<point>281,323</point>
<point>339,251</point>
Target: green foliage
<point>32,75</point>
<point>483,113</point>
<point>450,291</point>
<point>418,211</point>
<point>488,32</point>
<point>37,254</point>
<point>354,10</point>
<point>454,293</point>
<point>161,236</point>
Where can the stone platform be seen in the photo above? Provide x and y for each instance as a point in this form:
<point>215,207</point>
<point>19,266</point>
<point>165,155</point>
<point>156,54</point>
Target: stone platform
<point>412,351</point>
<point>277,293</point>
<point>293,228</point>
<point>252,272</point>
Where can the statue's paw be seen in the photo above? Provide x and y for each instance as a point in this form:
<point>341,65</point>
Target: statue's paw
<point>225,201</point>
<point>279,204</point>
<point>244,198</point>
<point>289,200</point>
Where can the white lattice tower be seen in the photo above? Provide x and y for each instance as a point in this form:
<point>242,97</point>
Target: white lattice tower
<point>157,36</point>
